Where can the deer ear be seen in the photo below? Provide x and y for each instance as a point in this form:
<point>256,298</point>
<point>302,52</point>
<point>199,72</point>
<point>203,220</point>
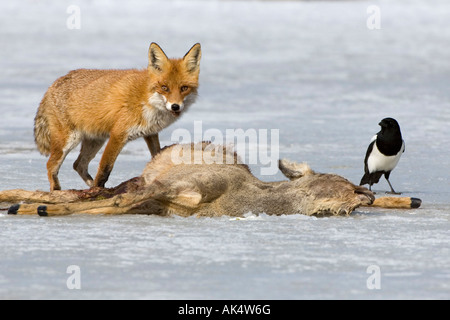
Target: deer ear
<point>156,58</point>
<point>192,58</point>
<point>294,170</point>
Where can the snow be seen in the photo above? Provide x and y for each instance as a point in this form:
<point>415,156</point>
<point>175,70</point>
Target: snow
<point>312,70</point>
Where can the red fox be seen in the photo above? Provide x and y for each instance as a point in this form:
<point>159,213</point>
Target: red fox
<point>90,106</point>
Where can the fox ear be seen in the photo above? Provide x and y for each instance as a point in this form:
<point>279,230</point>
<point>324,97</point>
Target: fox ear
<point>192,58</point>
<point>156,58</point>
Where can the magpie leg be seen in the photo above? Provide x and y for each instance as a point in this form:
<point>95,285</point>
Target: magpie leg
<point>392,189</point>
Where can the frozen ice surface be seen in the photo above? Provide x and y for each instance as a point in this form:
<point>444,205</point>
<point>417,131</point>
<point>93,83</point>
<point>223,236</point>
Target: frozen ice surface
<point>314,71</point>
<point>286,257</point>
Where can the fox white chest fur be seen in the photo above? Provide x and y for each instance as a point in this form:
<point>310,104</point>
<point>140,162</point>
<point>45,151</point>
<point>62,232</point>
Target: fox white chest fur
<point>155,116</point>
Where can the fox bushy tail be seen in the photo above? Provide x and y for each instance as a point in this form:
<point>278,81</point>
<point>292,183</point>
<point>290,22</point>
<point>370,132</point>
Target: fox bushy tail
<point>41,129</point>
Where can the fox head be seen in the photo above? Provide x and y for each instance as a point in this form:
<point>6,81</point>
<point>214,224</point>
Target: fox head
<point>173,82</point>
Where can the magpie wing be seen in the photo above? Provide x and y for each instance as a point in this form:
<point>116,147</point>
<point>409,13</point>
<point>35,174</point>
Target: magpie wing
<point>369,151</point>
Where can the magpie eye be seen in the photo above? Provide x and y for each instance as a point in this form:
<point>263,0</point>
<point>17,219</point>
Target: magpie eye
<point>165,88</point>
<point>184,88</point>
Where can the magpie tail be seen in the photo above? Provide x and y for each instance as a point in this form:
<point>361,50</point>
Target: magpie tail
<point>364,179</point>
<point>371,178</point>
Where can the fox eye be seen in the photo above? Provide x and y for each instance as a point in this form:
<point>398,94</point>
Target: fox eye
<point>184,88</point>
<point>165,88</point>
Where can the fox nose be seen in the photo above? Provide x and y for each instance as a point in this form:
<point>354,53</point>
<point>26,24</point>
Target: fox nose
<point>175,107</point>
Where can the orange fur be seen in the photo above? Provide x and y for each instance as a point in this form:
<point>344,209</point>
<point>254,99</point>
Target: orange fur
<point>90,106</point>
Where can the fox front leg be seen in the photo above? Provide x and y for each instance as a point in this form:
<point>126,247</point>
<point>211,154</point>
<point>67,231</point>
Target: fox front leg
<point>153,144</point>
<point>113,147</point>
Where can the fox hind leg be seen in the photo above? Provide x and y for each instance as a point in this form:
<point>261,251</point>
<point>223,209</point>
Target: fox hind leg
<point>89,148</point>
<point>53,165</point>
<point>61,145</point>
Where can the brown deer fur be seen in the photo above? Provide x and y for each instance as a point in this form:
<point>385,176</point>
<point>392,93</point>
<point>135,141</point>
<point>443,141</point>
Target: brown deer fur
<point>169,187</point>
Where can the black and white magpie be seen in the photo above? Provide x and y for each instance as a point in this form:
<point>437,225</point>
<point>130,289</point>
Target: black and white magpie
<point>383,153</point>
